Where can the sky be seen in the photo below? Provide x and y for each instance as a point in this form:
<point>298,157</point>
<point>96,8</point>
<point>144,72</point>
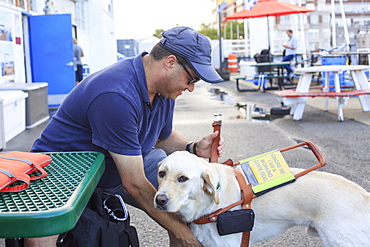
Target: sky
<point>138,19</point>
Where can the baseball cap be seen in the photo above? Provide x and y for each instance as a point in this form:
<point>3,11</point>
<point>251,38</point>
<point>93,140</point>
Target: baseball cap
<point>195,48</point>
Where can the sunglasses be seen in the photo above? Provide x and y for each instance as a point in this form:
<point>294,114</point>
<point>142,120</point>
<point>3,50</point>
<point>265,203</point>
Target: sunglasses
<point>193,80</point>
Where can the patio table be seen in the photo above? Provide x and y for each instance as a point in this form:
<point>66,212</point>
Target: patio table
<point>53,204</point>
<point>280,71</point>
<point>298,98</point>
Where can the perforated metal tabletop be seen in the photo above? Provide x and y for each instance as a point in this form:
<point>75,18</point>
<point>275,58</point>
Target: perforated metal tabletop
<point>53,204</point>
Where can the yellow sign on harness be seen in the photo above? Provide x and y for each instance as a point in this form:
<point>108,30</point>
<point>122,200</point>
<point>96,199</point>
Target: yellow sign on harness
<point>267,171</point>
<point>269,166</point>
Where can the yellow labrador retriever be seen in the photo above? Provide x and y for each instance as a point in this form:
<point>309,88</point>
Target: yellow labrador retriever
<point>332,207</point>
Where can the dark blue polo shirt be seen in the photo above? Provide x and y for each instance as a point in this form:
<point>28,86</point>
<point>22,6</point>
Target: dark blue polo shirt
<point>109,111</point>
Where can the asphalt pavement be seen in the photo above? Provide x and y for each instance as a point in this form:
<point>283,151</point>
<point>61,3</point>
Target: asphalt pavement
<point>249,129</point>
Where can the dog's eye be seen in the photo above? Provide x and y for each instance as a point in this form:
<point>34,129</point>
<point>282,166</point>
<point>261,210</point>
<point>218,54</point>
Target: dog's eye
<point>161,174</point>
<point>182,179</point>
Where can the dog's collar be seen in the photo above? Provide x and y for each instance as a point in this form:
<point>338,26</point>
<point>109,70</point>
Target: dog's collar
<point>247,196</point>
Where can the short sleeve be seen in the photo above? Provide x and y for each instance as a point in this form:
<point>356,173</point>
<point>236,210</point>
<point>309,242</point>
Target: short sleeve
<point>114,124</point>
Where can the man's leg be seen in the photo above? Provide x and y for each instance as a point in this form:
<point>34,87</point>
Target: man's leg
<point>41,242</point>
<point>287,67</point>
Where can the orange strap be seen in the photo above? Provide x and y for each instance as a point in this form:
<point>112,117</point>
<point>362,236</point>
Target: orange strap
<point>214,155</point>
<point>7,178</point>
<point>212,217</point>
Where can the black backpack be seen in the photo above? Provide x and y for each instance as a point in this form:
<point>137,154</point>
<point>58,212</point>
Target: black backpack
<point>105,222</point>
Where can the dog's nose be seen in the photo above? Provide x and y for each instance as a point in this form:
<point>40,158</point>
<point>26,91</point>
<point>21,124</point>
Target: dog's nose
<point>161,199</point>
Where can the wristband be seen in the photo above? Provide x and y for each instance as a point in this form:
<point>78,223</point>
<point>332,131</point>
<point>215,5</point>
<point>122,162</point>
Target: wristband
<point>188,146</point>
<point>195,148</point>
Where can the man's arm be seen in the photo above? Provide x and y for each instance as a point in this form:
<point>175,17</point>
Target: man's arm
<point>289,47</point>
<point>292,44</point>
<point>135,183</point>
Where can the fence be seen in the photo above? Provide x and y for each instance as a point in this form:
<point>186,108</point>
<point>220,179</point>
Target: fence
<point>237,46</point>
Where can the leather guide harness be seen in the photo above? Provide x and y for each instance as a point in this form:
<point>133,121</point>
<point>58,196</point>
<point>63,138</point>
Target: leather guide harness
<point>245,187</point>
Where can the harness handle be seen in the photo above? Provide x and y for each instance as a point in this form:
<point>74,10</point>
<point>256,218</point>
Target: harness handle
<point>316,151</point>
<point>217,122</point>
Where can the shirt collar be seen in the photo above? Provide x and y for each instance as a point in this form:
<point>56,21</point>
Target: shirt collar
<point>140,72</point>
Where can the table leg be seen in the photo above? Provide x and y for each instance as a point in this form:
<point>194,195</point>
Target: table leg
<point>304,83</point>
<point>245,90</point>
<point>361,83</point>
<point>360,79</point>
<point>292,109</point>
<point>336,82</point>
<point>298,112</point>
<point>365,102</point>
<point>326,89</point>
<point>302,87</point>
<point>280,79</point>
<point>340,109</point>
<point>339,100</point>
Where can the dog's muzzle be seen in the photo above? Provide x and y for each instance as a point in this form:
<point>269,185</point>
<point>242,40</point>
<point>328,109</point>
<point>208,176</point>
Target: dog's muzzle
<point>161,201</point>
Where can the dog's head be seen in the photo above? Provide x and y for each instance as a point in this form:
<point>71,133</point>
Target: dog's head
<point>185,183</point>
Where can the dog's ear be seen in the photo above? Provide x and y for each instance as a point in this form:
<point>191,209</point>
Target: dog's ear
<point>159,164</point>
<point>210,186</point>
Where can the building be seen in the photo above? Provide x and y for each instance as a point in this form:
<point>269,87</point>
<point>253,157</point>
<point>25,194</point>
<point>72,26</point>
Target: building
<point>36,47</point>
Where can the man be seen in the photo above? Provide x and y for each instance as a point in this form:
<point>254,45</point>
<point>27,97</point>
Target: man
<point>290,51</point>
<point>77,54</point>
<point>125,110</point>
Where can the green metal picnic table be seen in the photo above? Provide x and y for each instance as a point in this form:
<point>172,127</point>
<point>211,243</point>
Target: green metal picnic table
<point>269,74</point>
<point>53,204</point>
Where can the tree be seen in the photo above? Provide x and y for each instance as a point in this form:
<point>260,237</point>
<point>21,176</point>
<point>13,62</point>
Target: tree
<point>212,33</point>
<point>233,26</point>
<point>158,33</point>
<point>207,30</point>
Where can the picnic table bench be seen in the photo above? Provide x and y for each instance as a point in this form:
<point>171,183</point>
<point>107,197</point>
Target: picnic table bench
<point>292,93</point>
<point>259,84</point>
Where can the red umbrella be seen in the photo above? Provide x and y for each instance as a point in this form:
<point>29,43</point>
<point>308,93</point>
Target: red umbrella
<point>266,8</point>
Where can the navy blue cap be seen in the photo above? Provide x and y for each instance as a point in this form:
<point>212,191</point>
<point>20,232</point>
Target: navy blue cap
<point>195,48</point>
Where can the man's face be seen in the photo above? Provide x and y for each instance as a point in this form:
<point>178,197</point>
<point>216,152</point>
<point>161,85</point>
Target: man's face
<point>289,34</point>
<point>177,82</point>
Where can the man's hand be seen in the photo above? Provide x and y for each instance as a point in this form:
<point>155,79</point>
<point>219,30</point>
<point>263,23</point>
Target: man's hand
<point>204,146</point>
<point>203,149</point>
